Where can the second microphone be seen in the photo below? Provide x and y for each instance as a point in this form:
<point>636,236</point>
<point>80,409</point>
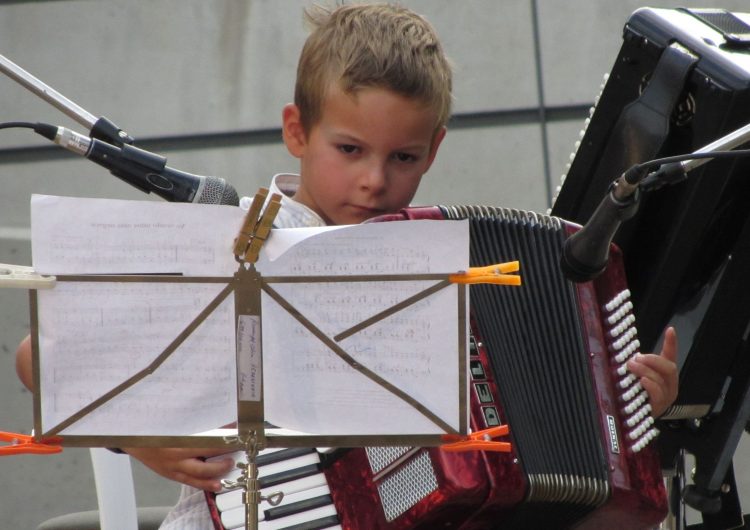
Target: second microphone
<point>148,171</point>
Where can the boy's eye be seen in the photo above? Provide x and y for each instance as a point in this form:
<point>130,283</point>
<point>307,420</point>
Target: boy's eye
<point>348,148</point>
<point>405,157</point>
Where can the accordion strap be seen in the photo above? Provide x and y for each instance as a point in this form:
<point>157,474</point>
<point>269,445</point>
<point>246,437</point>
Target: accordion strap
<point>643,125</point>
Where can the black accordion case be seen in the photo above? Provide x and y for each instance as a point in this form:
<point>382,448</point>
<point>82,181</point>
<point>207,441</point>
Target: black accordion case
<point>680,82</point>
<point>691,69</point>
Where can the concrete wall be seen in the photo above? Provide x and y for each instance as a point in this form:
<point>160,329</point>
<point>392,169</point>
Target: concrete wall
<point>198,80</point>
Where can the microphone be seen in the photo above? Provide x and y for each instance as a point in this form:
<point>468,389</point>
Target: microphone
<point>145,170</point>
<point>585,254</point>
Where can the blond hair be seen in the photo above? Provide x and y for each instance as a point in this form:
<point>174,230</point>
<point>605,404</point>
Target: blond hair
<point>372,46</point>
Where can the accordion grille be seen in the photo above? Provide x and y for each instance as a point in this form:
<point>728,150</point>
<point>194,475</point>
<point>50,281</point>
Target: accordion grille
<point>382,457</point>
<point>534,339</point>
<point>407,485</point>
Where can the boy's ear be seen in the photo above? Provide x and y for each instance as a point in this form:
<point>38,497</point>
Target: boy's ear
<point>439,135</point>
<point>292,130</point>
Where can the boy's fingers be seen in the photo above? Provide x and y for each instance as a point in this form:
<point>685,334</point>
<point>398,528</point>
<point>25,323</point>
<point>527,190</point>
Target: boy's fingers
<point>207,453</point>
<point>203,475</point>
<point>653,367</point>
<point>657,397</point>
<point>186,465</point>
<point>213,485</point>
<point>201,469</point>
<point>669,348</point>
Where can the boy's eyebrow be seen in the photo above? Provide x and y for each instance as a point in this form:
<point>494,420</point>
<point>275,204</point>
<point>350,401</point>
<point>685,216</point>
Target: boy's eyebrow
<point>346,137</point>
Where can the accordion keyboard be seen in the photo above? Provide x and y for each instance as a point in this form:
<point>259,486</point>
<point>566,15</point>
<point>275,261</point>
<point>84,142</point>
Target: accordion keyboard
<point>306,504</point>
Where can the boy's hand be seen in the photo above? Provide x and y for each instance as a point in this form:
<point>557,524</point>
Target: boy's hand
<point>658,373</point>
<point>23,363</point>
<point>185,465</point>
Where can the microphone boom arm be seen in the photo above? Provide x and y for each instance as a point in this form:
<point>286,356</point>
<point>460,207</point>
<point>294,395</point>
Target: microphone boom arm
<point>100,128</point>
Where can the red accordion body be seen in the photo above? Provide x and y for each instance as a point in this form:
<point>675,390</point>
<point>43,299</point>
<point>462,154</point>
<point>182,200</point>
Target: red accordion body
<point>547,359</point>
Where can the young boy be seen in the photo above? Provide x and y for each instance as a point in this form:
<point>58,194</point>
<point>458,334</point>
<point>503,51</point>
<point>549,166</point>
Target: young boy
<point>372,100</point>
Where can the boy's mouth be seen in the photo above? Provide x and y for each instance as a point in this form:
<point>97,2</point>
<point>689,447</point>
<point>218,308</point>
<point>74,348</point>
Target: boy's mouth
<point>367,210</point>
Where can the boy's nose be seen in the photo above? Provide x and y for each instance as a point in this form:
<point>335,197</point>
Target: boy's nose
<point>374,178</point>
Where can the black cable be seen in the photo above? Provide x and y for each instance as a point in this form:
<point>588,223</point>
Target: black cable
<point>44,129</point>
<point>670,170</point>
<point>696,156</point>
<point>17,124</point>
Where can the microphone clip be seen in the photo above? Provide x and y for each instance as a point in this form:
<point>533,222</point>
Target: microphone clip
<point>666,175</point>
<point>106,131</point>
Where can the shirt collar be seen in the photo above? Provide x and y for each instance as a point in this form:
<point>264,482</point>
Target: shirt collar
<point>292,214</point>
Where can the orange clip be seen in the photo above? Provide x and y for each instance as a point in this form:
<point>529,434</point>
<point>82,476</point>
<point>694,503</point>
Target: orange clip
<point>23,443</point>
<point>490,274</point>
<point>478,441</point>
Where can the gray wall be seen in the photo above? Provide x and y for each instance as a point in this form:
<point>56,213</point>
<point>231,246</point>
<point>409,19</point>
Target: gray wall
<point>200,81</point>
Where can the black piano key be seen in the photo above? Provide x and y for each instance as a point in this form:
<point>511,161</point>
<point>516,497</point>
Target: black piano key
<point>297,507</point>
<point>284,454</point>
<point>286,476</point>
<point>317,524</point>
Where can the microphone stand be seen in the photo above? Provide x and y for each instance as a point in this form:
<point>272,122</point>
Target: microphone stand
<point>725,143</point>
<point>141,169</point>
<point>100,128</point>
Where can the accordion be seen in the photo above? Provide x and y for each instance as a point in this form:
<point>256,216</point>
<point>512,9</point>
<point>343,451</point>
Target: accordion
<point>549,360</point>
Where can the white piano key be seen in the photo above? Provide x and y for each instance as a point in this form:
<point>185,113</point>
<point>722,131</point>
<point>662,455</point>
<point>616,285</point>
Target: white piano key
<point>276,467</point>
<point>236,516</point>
<point>229,500</point>
<point>232,499</point>
<point>235,501</point>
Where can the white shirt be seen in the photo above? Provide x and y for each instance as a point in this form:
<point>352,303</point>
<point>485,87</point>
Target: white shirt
<point>292,214</point>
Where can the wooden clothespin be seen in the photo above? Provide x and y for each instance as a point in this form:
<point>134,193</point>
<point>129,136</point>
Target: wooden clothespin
<point>257,226</point>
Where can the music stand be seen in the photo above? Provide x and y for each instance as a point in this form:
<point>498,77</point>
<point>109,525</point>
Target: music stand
<point>247,285</point>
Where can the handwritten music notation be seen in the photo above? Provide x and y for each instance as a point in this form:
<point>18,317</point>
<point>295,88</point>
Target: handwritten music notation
<point>94,335</point>
<point>104,236</point>
<point>114,255</point>
<point>414,349</point>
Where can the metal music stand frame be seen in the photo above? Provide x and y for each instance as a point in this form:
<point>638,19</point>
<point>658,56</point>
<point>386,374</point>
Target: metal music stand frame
<point>247,285</point>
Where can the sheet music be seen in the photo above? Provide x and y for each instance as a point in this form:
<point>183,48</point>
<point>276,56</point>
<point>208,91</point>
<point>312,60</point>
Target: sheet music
<point>307,387</point>
<point>105,236</point>
<point>94,335</point>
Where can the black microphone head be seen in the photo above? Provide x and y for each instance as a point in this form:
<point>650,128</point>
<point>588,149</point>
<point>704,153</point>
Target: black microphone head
<point>580,262</point>
<point>214,190</point>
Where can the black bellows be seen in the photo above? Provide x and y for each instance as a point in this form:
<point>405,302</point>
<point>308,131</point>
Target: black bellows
<point>533,335</point>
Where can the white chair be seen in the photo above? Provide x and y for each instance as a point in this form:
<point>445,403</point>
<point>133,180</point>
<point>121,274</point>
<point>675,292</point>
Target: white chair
<point>115,494</point>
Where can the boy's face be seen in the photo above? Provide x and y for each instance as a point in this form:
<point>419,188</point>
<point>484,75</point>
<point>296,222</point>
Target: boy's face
<point>365,156</point>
